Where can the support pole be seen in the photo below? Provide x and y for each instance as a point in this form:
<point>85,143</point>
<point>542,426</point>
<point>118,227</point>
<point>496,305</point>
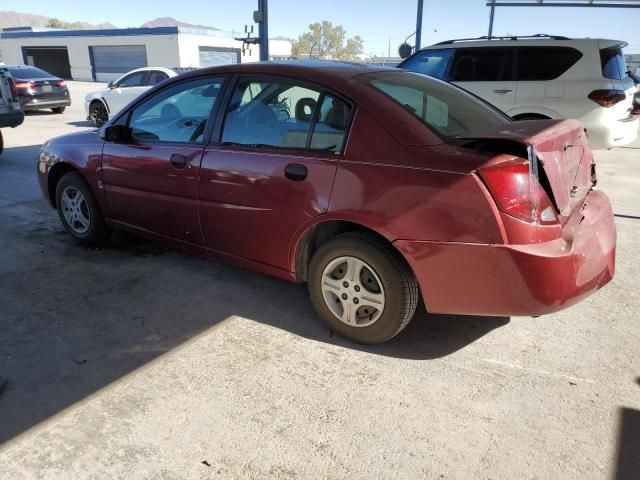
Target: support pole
<point>419,24</point>
<point>263,29</point>
<point>493,8</point>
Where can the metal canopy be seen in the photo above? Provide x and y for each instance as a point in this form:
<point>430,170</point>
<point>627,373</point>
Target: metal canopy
<point>557,3</point>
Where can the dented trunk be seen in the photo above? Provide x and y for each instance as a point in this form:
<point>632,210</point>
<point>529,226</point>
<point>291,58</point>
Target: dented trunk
<point>558,154</point>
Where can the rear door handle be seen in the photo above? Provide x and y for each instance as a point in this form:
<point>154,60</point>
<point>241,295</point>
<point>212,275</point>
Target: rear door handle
<point>502,90</point>
<point>296,172</point>
<point>178,161</point>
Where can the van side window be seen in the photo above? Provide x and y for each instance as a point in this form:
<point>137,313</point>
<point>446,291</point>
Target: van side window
<point>545,63</point>
<point>482,64</point>
<point>434,63</point>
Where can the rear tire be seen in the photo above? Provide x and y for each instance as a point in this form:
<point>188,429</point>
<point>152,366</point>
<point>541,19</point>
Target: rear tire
<point>79,211</point>
<point>362,288</point>
<point>58,109</point>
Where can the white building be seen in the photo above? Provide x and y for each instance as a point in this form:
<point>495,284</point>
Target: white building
<point>103,55</point>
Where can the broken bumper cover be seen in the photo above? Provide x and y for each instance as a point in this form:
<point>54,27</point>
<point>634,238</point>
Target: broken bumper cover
<point>526,280</point>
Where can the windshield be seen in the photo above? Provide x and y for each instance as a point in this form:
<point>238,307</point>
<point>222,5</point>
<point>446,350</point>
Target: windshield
<point>445,108</point>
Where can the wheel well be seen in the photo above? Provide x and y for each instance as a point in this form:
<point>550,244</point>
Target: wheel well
<point>320,234</point>
<point>99,100</point>
<point>531,116</point>
<point>55,174</point>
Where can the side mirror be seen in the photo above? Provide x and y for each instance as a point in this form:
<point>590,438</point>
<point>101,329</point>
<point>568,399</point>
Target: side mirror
<point>111,84</point>
<point>116,133</point>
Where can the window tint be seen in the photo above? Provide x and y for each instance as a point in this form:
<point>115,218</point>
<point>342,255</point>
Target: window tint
<point>269,113</point>
<point>545,63</point>
<point>431,62</point>
<point>449,110</point>
<point>176,114</point>
<point>331,125</point>
<point>155,77</point>
<point>133,80</point>
<point>613,65</point>
<point>28,73</point>
<point>483,65</point>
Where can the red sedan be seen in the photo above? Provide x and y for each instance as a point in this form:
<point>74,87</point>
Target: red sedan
<point>372,185</point>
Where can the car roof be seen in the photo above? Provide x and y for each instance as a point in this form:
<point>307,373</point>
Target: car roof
<point>529,40</point>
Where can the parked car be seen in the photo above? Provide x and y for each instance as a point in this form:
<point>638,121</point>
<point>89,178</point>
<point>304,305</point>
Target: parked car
<point>11,114</point>
<point>542,77</point>
<point>372,185</point>
<point>102,104</point>
<point>38,89</point>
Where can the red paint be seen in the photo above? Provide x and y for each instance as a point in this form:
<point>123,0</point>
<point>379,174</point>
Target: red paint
<point>396,177</point>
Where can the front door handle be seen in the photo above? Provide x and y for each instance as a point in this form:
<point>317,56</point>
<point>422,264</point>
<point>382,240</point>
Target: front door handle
<point>296,172</point>
<point>178,161</point>
<point>502,90</point>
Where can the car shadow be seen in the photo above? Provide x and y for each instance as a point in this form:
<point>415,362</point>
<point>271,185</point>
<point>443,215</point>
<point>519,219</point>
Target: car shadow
<point>81,123</point>
<point>628,459</point>
<point>75,319</point>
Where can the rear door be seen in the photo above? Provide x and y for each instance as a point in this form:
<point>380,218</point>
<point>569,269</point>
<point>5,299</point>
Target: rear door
<point>273,168</point>
<point>487,72</point>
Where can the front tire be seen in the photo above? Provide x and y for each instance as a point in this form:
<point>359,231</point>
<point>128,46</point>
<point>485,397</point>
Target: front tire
<point>58,109</point>
<point>98,114</point>
<point>362,288</point>
<point>79,211</point>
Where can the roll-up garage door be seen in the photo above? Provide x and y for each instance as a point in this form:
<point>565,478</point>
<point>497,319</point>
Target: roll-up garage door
<point>111,61</point>
<point>212,56</point>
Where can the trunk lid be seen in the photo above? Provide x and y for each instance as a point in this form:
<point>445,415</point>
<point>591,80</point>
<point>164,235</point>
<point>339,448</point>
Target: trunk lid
<point>558,153</point>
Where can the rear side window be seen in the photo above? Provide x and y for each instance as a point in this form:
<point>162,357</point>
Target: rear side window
<point>613,65</point>
<point>445,108</point>
<point>155,77</point>
<point>545,63</point>
<point>483,65</point>
<point>434,63</point>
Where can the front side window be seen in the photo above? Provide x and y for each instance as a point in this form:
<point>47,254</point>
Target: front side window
<point>482,64</point>
<point>545,63</point>
<point>269,114</point>
<point>155,77</point>
<point>176,114</point>
<point>448,110</point>
<point>613,65</point>
<point>430,62</point>
<point>133,80</point>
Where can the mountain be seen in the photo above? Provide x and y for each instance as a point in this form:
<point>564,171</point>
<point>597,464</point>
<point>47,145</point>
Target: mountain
<point>172,22</point>
<point>18,19</point>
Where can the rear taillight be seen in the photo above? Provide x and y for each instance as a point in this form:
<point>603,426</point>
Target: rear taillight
<point>607,98</point>
<point>14,90</point>
<point>25,85</point>
<point>61,83</point>
<point>518,193</point>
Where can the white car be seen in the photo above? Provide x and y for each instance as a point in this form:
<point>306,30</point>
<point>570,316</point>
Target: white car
<point>542,77</point>
<point>102,104</point>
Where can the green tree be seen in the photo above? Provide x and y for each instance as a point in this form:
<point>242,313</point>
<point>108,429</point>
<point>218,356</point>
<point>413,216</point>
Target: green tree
<point>324,41</point>
<point>55,23</point>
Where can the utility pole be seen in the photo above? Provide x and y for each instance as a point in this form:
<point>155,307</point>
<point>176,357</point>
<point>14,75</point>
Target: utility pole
<point>419,24</point>
<point>261,17</point>
<point>493,8</point>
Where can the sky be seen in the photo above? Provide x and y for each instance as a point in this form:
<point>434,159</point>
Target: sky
<point>377,22</point>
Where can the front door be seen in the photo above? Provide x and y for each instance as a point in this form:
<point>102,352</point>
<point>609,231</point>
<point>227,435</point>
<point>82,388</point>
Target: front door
<point>125,90</point>
<point>151,180</point>
<point>273,169</point>
<point>487,72</point>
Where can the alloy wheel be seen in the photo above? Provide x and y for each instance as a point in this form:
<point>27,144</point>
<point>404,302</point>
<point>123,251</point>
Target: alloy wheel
<point>75,210</point>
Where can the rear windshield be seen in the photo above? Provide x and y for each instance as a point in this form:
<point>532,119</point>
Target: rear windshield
<point>612,61</point>
<point>445,108</point>
<point>28,72</point>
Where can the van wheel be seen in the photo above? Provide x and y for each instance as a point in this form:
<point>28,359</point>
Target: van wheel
<point>362,288</point>
<point>79,211</point>
<point>98,114</point>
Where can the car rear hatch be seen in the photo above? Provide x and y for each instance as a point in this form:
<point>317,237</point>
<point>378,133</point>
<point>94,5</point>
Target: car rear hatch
<point>614,71</point>
<point>558,155</point>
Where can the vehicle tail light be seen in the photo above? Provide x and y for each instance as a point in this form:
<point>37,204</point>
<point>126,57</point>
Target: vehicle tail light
<point>607,98</point>
<point>518,193</point>
<point>61,83</point>
<point>635,111</point>
<point>25,85</point>
<point>14,89</point>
